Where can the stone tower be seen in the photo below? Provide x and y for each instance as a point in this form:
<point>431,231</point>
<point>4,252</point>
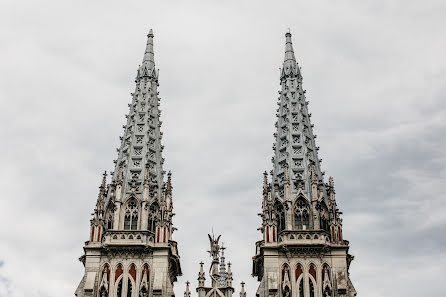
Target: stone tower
<point>130,252</point>
<point>302,252</point>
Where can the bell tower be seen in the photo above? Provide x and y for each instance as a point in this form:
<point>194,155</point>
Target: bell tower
<point>302,252</point>
<point>130,251</point>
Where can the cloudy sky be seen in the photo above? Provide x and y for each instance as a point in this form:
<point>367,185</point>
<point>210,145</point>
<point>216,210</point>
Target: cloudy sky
<point>375,75</point>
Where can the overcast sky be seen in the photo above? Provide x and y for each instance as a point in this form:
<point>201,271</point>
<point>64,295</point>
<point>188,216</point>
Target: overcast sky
<point>375,75</point>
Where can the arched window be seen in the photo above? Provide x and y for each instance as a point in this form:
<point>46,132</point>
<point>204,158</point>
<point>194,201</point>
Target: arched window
<point>109,219</point>
<point>131,216</point>
<point>324,222</point>
<point>286,285</point>
<point>153,217</point>
<point>301,214</point>
<point>300,280</point>
<point>280,216</point>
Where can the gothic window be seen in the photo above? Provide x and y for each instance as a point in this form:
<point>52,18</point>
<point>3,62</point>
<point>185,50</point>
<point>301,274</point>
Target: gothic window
<point>151,131</point>
<point>301,214</point>
<point>295,127</point>
<point>131,216</point>
<point>280,216</point>
<point>141,117</point>
<point>153,218</point>
<point>326,283</point>
<point>140,128</point>
<point>295,118</point>
<point>324,220</point>
<point>139,139</point>
<point>284,142</point>
<point>286,285</point>
<point>137,163</point>
<point>109,219</point>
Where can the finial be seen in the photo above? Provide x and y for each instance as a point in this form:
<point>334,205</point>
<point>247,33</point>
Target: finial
<point>104,180</point>
<point>331,182</point>
<point>242,290</point>
<point>169,183</point>
<point>187,292</point>
<point>286,179</point>
<point>150,33</point>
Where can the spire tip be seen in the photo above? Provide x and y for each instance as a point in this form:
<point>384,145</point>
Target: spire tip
<point>150,33</point>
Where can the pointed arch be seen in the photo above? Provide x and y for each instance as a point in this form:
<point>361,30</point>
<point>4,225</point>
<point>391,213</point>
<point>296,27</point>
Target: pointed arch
<point>118,287</point>
<point>153,217</point>
<point>145,281</point>
<point>326,280</point>
<point>312,280</point>
<point>104,284</point>
<point>323,217</point>
<point>299,280</point>
<point>285,283</point>
<point>280,216</point>
<point>118,271</point>
<point>131,214</point>
<point>132,271</point>
<point>301,214</point>
<point>109,217</point>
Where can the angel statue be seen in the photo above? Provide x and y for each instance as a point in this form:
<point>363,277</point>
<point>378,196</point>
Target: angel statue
<point>215,248</point>
<point>214,253</point>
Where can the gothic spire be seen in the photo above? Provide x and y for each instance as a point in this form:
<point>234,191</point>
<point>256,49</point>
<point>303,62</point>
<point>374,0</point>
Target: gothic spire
<point>149,57</point>
<point>289,62</point>
<point>294,146</point>
<point>140,154</point>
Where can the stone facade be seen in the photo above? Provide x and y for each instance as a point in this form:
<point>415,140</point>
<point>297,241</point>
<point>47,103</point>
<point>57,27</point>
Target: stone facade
<point>131,251</point>
<point>302,252</point>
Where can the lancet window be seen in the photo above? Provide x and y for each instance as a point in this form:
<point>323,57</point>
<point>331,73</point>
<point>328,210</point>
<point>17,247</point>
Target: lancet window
<point>324,221</point>
<point>280,216</point>
<point>301,214</point>
<point>131,216</point>
<point>153,217</point>
<point>109,219</point>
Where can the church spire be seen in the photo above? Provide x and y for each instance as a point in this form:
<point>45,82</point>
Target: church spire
<point>141,148</point>
<point>149,57</point>
<point>289,61</point>
<point>294,146</point>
